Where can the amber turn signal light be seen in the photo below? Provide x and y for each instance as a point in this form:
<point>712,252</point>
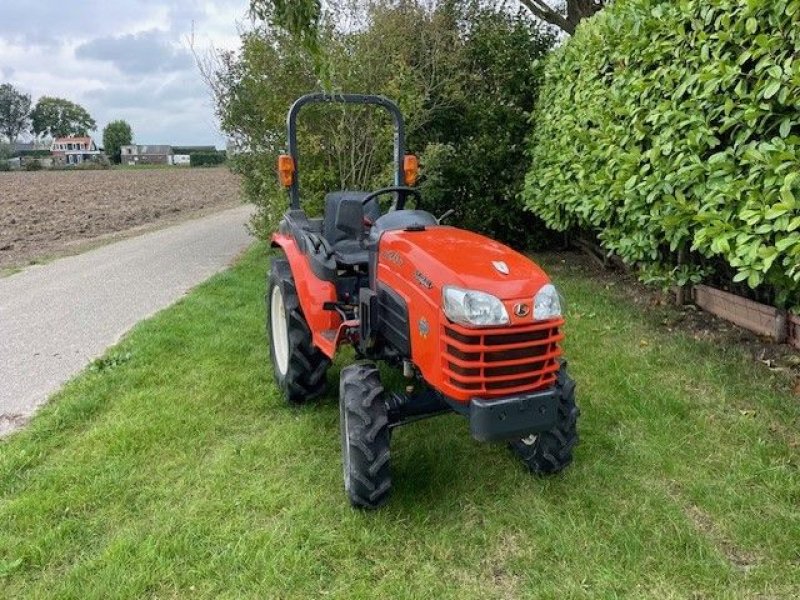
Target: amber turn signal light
<point>411,169</point>
<point>286,170</point>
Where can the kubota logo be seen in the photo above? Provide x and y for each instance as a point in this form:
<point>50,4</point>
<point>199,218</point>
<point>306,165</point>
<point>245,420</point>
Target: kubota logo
<point>522,310</point>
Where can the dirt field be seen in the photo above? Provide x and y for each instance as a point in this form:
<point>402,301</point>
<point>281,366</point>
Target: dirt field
<point>50,213</point>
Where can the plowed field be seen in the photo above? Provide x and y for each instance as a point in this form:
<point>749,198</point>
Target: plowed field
<point>49,213</point>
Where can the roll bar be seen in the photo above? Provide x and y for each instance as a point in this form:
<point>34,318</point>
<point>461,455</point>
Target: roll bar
<point>321,97</point>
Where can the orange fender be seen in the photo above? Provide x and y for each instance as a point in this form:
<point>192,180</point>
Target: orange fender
<point>313,293</point>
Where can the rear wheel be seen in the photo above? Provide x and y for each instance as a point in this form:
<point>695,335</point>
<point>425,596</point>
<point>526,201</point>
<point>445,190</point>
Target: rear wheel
<point>550,452</point>
<point>299,368</point>
<point>365,433</point>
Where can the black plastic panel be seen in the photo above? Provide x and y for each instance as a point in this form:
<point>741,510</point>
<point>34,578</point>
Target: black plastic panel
<point>394,320</point>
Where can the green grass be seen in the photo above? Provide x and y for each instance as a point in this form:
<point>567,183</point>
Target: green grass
<point>172,468</point>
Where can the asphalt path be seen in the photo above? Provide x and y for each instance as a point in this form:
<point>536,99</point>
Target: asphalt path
<point>58,317</point>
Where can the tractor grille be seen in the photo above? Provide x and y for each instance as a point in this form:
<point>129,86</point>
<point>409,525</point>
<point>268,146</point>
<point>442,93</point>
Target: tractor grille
<point>496,362</point>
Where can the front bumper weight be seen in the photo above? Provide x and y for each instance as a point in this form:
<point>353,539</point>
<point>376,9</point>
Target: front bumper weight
<point>513,417</point>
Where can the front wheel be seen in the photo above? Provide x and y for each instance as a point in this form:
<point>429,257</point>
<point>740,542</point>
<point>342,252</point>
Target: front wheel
<point>550,452</point>
<point>364,423</point>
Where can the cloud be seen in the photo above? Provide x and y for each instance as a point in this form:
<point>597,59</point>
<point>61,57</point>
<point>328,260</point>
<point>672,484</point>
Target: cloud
<point>121,60</point>
<point>50,23</point>
<point>138,53</point>
<point>162,93</point>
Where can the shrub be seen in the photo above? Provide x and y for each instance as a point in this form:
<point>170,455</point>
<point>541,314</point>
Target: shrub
<point>207,159</point>
<point>33,165</point>
<point>101,163</point>
<point>475,161</point>
<point>463,75</point>
<point>5,154</point>
<point>34,153</point>
<point>672,130</point>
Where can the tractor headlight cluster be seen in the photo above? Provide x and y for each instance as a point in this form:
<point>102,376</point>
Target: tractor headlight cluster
<point>470,307</point>
<point>546,303</point>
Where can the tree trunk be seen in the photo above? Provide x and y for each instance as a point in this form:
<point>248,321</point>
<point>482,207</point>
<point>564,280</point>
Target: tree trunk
<point>577,10</point>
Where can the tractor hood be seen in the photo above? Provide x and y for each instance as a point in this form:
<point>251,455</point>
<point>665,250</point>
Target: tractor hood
<point>438,256</point>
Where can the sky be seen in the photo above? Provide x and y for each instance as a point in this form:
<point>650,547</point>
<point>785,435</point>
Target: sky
<point>122,59</point>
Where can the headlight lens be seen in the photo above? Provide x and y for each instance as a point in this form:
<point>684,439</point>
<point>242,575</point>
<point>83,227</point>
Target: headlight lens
<point>546,303</point>
<point>470,307</point>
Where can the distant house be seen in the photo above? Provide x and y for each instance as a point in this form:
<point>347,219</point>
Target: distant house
<point>146,155</point>
<point>74,150</point>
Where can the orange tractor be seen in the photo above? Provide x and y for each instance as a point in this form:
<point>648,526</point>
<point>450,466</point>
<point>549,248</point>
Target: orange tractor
<point>472,324</point>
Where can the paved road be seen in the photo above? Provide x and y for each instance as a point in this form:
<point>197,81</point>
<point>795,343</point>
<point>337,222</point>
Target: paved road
<point>58,317</point>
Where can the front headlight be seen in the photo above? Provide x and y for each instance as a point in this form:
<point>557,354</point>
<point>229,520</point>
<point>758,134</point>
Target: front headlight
<point>470,307</point>
<point>546,303</point>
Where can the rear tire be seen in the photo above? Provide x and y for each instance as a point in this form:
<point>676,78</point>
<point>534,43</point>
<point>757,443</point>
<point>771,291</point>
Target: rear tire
<point>298,366</point>
<point>550,452</point>
<point>364,424</point>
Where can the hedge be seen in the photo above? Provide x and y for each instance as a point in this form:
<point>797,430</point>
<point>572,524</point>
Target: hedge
<point>672,130</point>
<point>207,159</point>
<point>34,153</point>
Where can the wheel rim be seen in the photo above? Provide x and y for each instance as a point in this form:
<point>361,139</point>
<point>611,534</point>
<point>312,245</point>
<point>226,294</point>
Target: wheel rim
<point>280,332</point>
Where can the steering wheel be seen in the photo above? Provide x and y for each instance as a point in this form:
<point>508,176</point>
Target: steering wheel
<point>401,191</point>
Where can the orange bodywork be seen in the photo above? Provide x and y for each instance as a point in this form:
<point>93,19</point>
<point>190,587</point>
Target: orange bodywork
<point>461,362</point>
<point>466,362</point>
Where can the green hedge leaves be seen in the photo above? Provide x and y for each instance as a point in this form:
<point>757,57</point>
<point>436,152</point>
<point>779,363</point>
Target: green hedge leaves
<point>673,129</point>
<point>207,159</point>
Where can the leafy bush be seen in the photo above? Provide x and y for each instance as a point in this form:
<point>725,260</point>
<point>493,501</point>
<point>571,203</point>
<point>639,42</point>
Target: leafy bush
<point>33,165</point>
<point>475,159</point>
<point>192,149</point>
<point>672,129</point>
<point>34,153</point>
<point>462,74</point>
<point>207,159</point>
<point>5,154</point>
<point>96,164</point>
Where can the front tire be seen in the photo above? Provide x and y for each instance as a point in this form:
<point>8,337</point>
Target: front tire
<point>550,452</point>
<point>298,366</point>
<point>364,424</point>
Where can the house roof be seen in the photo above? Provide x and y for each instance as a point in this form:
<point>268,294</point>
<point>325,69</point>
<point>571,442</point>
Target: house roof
<point>73,140</point>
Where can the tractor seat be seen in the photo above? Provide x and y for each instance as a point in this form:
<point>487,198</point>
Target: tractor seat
<point>347,249</point>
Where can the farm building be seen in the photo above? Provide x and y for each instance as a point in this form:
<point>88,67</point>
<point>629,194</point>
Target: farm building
<point>146,155</point>
<point>74,150</point>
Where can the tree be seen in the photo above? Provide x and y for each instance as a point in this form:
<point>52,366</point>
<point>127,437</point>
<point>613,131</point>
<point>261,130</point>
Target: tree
<point>115,135</point>
<point>302,17</point>
<point>465,76</point>
<point>58,117</point>
<point>15,109</point>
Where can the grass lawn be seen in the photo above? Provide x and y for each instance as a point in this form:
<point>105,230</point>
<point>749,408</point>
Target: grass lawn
<point>172,468</point>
